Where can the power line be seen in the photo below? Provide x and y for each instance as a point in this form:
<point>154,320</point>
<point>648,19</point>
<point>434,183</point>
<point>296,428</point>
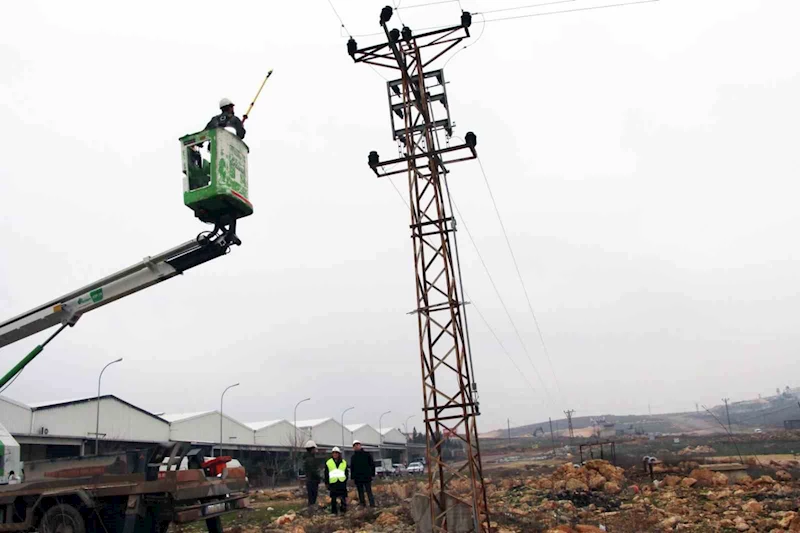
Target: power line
<point>502,302</point>
<point>575,10</point>
<point>502,346</point>
<point>592,8</point>
<point>426,4</point>
<point>522,7</point>
<point>497,292</point>
<point>337,16</point>
<point>483,29</point>
<point>519,274</point>
<point>343,27</point>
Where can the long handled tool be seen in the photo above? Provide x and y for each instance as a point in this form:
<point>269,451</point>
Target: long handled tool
<point>244,117</point>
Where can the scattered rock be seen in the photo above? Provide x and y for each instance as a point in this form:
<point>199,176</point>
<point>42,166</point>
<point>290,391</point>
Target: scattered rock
<point>740,524</point>
<point>386,519</point>
<point>596,482</point>
<point>669,523</point>
<point>575,484</point>
<point>688,482</point>
<point>611,488</point>
<point>764,480</point>
<point>672,481</point>
<point>285,519</point>
<point>580,528</point>
<point>715,496</point>
<point>699,449</point>
<point>753,507</point>
<point>783,475</point>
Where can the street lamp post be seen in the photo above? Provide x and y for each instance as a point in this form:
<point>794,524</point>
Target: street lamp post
<point>380,430</point>
<point>405,425</point>
<point>221,398</point>
<point>97,426</point>
<point>294,449</point>
<point>295,419</point>
<point>343,412</point>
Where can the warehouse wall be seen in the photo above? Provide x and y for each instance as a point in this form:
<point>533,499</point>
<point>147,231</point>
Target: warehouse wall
<point>367,435</point>
<point>205,428</point>
<point>14,416</point>
<point>329,433</point>
<point>117,420</point>
<point>280,434</point>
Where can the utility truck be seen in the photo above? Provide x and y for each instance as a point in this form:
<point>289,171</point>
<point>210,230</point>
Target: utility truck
<point>143,490</point>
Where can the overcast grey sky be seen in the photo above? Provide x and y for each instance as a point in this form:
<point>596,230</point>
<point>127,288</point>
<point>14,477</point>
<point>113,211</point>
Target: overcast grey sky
<point>645,160</point>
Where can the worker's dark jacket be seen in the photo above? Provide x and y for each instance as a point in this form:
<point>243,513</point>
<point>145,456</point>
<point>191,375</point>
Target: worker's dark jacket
<point>224,120</point>
<point>312,464</point>
<point>362,467</point>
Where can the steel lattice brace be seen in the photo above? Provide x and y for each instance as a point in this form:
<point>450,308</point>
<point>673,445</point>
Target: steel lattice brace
<point>450,405</point>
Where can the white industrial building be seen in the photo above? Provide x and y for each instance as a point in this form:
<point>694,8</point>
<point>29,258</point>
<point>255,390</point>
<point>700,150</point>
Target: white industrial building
<point>366,434</point>
<point>276,433</point>
<point>325,432</point>
<point>67,428</point>
<point>204,427</point>
<point>56,429</point>
<point>15,416</point>
<point>393,436</point>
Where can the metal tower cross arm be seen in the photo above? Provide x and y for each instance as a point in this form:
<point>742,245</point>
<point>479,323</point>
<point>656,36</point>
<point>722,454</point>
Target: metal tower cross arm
<point>67,309</point>
<point>420,112</point>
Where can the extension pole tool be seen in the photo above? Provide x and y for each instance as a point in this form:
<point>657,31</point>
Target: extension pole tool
<point>244,117</point>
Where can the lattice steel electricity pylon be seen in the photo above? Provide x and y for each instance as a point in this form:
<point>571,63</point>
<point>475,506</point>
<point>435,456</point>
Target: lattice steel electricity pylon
<point>419,112</point>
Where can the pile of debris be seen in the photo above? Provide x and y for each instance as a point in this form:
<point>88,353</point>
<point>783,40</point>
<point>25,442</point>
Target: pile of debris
<point>594,475</point>
<point>697,450</point>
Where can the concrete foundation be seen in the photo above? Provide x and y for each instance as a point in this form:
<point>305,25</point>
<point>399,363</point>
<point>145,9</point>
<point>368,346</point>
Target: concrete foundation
<point>459,516</point>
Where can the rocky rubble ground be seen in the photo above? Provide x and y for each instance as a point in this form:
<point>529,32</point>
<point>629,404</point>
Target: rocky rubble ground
<point>592,498</point>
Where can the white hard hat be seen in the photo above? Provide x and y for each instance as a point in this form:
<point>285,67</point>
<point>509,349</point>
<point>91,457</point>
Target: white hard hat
<point>311,444</point>
<point>356,442</point>
<point>224,103</point>
<point>336,450</point>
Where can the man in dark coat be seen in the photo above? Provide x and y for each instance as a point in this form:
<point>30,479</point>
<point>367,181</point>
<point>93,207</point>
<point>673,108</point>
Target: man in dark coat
<point>227,119</point>
<point>312,466</point>
<point>362,470</point>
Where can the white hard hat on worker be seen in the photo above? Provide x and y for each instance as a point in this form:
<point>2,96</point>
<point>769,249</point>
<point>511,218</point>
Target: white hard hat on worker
<point>310,444</point>
<point>225,102</point>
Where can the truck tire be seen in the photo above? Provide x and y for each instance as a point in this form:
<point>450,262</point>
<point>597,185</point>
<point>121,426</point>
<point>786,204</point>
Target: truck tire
<point>62,518</point>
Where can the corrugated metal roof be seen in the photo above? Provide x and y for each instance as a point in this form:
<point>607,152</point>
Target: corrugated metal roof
<point>312,423</point>
<point>14,402</point>
<point>39,405</point>
<point>255,426</point>
<point>354,427</point>
<point>63,403</point>
<point>179,417</point>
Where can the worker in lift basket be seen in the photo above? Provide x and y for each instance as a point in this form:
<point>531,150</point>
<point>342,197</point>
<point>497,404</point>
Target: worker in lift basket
<point>227,119</point>
<point>312,465</point>
<point>336,480</point>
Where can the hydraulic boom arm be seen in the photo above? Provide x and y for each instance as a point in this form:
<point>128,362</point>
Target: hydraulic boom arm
<point>67,309</point>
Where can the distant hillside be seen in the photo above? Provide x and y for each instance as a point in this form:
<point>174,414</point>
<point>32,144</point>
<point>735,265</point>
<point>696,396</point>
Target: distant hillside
<point>768,412</point>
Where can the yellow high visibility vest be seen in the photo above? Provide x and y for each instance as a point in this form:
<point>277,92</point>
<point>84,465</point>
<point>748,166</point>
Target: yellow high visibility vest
<point>336,474</point>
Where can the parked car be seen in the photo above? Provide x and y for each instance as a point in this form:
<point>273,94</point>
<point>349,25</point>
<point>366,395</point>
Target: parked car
<point>416,468</point>
<point>384,471</point>
<point>399,469</point>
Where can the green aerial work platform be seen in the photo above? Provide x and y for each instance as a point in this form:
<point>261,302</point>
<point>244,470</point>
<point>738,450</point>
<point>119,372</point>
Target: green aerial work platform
<point>214,187</point>
<point>215,180</point>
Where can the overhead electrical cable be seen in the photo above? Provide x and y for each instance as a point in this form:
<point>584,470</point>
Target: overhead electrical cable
<point>519,274</point>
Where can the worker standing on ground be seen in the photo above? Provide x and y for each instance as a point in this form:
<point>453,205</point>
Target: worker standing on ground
<point>312,467</point>
<point>362,470</point>
<point>227,119</point>
<point>336,480</point>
